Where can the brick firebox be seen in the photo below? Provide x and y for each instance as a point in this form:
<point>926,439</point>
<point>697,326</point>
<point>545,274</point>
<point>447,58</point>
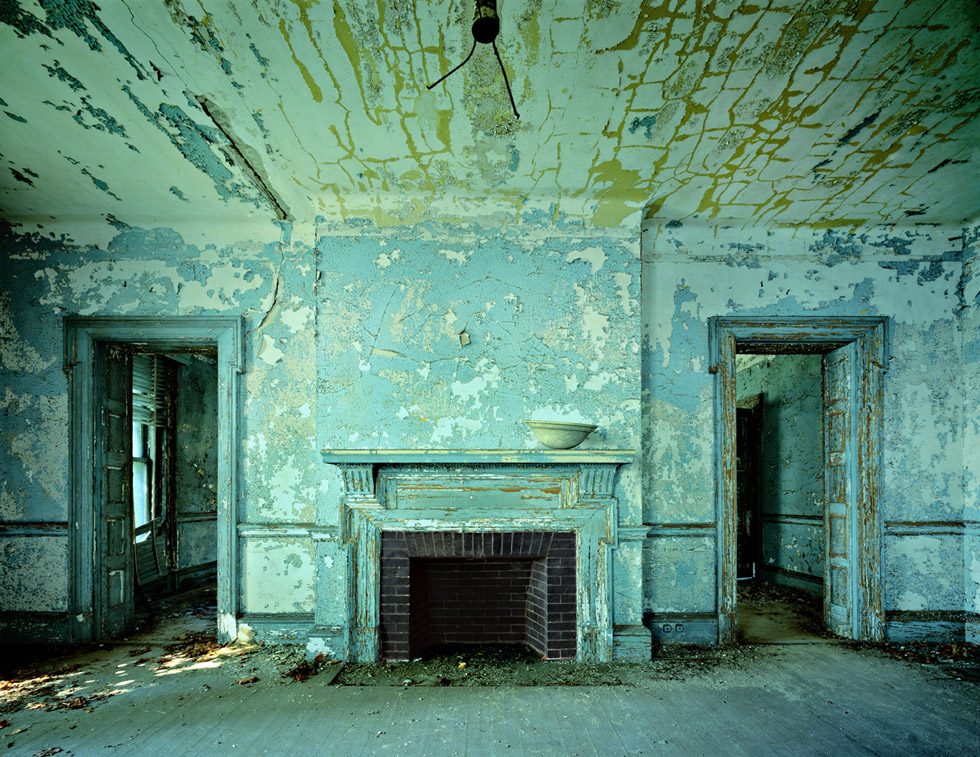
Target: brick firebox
<point>461,587</point>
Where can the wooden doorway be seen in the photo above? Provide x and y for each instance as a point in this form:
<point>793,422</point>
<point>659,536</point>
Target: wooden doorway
<point>98,361</point>
<point>854,352</point>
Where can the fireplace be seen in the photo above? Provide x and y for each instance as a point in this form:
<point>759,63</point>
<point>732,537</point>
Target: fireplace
<point>481,546</point>
<point>445,587</point>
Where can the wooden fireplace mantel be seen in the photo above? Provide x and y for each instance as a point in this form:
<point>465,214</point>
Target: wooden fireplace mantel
<point>477,456</point>
<point>481,490</point>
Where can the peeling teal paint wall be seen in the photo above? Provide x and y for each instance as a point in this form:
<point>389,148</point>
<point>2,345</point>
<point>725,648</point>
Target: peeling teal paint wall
<point>791,463</point>
<point>354,339</point>
<point>441,337</point>
<point>436,339</point>
<point>153,272</point>
<point>691,273</point>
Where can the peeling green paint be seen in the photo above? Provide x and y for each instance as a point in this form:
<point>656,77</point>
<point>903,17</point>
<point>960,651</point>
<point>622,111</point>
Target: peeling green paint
<point>201,146</point>
<point>646,123</point>
<point>103,121</point>
<point>74,15</point>
<point>262,60</point>
<point>55,70</point>
<point>101,185</point>
<point>21,177</point>
<point>743,114</point>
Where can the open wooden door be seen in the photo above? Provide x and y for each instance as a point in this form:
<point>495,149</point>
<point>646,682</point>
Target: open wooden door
<point>840,470</point>
<point>113,491</point>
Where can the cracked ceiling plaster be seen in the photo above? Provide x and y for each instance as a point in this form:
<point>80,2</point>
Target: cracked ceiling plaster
<point>819,113</point>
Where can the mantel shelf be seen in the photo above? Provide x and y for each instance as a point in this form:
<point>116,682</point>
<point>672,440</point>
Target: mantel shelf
<point>477,456</point>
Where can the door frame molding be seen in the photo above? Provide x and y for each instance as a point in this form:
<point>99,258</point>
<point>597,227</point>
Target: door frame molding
<point>225,333</point>
<point>870,334</point>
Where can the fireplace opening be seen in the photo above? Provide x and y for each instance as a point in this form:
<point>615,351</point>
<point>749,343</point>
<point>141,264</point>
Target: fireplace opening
<point>477,601</point>
<point>442,589</point>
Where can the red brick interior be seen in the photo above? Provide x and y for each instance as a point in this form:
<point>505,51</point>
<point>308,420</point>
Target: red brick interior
<point>468,601</point>
<point>477,588</point>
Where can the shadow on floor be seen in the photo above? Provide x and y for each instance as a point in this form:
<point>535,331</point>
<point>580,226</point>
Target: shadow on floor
<point>772,614</point>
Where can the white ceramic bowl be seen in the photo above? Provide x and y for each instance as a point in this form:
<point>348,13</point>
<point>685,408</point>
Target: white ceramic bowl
<point>559,435</point>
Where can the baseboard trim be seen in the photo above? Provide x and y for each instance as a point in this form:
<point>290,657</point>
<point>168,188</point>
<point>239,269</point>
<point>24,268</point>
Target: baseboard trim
<point>203,573</point>
<point>936,626</point>
<point>17,529</point>
<point>327,640</point>
<point>34,627</point>
<point>971,629</point>
<point>683,628</point>
<point>280,628</point>
<point>184,578</point>
<point>795,579</point>
<point>201,517</point>
<point>633,643</point>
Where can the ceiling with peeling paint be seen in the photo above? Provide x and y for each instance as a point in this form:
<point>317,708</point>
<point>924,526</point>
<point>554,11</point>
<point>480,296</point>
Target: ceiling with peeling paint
<point>818,112</point>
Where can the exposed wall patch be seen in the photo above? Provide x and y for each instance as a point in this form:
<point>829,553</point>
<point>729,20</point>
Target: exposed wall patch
<point>238,155</point>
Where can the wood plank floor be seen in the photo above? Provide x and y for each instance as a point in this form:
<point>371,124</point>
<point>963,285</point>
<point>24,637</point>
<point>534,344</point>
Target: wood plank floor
<point>819,698</point>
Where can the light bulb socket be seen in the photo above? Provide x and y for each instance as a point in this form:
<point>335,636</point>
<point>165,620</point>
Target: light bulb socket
<point>486,22</point>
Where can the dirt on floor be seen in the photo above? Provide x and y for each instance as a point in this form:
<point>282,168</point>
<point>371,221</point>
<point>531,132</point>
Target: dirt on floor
<point>490,665</point>
<point>806,606</point>
<point>959,660</point>
<point>181,637</point>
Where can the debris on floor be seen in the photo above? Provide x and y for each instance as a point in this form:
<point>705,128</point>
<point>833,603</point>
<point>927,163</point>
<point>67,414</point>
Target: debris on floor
<point>308,668</point>
<point>804,607</point>
<point>194,644</point>
<point>959,660</point>
<point>503,665</point>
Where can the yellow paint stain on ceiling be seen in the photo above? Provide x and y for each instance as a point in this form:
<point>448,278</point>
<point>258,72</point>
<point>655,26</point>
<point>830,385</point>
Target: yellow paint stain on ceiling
<point>671,108</point>
<point>314,88</point>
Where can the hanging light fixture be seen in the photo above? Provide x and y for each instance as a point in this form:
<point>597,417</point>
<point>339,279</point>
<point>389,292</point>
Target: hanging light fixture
<point>486,27</point>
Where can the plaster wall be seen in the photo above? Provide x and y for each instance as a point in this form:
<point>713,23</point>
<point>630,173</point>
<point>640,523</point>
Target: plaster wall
<point>428,337</point>
<point>436,336</point>
<point>439,337</point>
<point>914,277</point>
<point>138,272</point>
<point>792,462</point>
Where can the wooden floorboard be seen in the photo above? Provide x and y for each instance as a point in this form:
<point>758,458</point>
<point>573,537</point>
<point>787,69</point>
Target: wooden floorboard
<point>795,699</point>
